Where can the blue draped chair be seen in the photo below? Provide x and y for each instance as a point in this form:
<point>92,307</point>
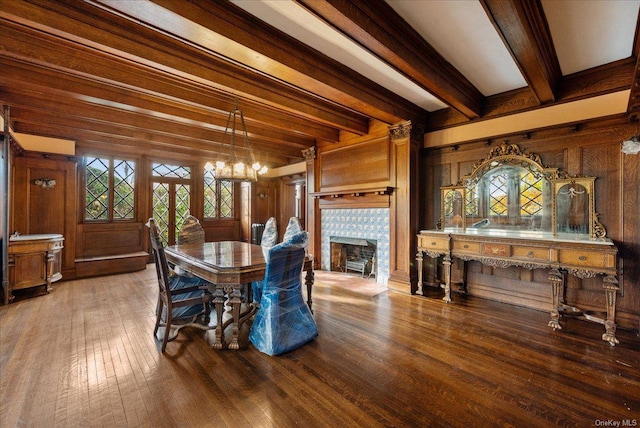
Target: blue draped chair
<point>181,299</point>
<point>284,321</point>
<point>293,227</point>
<point>269,239</point>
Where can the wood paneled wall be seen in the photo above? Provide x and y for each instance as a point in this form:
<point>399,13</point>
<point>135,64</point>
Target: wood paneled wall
<point>590,149</point>
<point>36,210</point>
<point>378,170</point>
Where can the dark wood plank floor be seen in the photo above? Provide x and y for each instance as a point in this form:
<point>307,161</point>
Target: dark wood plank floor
<point>84,356</point>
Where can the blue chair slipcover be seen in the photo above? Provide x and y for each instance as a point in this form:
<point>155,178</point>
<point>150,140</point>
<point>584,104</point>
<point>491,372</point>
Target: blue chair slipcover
<point>284,321</point>
<point>269,239</point>
<point>292,228</point>
<point>270,234</point>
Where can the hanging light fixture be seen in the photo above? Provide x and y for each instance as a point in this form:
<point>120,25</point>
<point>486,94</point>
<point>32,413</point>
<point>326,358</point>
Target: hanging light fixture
<point>236,168</point>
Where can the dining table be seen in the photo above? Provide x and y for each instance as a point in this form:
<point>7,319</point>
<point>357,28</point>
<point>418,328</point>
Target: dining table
<point>227,266</point>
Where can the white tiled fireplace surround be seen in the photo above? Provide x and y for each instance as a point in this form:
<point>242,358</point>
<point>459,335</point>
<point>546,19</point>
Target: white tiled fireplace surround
<point>365,223</point>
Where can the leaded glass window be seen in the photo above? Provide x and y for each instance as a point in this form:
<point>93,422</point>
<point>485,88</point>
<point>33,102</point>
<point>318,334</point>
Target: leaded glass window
<point>109,189</point>
<point>218,197</point>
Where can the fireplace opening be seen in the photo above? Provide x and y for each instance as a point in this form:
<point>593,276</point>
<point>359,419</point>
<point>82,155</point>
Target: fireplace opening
<point>351,255</point>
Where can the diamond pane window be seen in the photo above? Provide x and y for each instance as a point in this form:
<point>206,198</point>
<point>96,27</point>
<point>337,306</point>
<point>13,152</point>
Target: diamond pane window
<point>530,194</point>
<point>164,170</point>
<point>498,195</point>
<point>226,199</point>
<point>161,209</point>
<point>182,204</point>
<point>123,187</point>
<point>97,189</point>
<point>218,197</point>
<point>210,195</point>
<point>109,189</point>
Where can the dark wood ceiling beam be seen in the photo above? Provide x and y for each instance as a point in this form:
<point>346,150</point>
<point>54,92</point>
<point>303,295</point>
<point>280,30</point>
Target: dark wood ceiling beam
<point>118,144</point>
<point>67,103</point>
<point>607,78</point>
<point>378,28</point>
<point>524,30</point>
<point>23,48</point>
<point>229,31</point>
<point>104,116</point>
<point>131,43</point>
<point>78,128</point>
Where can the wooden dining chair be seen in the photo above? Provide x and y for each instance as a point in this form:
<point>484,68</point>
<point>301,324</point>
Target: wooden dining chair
<point>284,321</point>
<point>181,299</point>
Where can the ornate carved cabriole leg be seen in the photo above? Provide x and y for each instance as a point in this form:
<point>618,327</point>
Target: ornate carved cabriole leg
<point>235,300</point>
<point>308,280</point>
<point>446,264</point>
<point>419,262</point>
<point>556,278</point>
<point>610,287</point>
<point>218,302</point>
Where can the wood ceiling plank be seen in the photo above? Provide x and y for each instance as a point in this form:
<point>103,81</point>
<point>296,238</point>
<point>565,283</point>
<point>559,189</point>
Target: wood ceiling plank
<point>378,28</point>
<point>524,30</point>
<point>129,43</point>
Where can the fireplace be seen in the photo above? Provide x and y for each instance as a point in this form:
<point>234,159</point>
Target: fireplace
<point>368,224</point>
<point>353,255</point>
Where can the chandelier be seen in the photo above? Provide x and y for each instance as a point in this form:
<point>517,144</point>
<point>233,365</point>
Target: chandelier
<point>234,167</point>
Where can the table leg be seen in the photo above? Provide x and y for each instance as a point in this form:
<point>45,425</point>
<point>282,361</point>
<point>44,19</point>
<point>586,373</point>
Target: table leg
<point>218,302</point>
<point>419,257</point>
<point>308,280</point>
<point>610,287</point>
<point>556,278</point>
<point>235,300</point>
<point>446,264</point>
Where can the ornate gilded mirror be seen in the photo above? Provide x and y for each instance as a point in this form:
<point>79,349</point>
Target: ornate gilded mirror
<point>512,190</point>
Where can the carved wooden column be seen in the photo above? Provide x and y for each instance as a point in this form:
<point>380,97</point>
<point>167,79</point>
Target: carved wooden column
<point>313,214</point>
<point>403,213</point>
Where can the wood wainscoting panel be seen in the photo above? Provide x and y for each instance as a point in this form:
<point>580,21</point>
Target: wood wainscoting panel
<point>353,166</point>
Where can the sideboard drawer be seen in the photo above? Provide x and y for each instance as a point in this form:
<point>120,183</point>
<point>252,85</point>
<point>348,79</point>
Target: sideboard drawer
<point>434,243</point>
<point>531,253</point>
<point>497,250</point>
<point>578,257</point>
<point>466,246</point>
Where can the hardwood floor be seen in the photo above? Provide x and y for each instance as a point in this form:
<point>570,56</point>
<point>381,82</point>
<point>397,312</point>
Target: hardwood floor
<point>84,356</point>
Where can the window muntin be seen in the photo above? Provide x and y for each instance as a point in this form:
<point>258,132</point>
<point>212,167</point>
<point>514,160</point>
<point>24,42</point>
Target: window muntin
<point>109,189</point>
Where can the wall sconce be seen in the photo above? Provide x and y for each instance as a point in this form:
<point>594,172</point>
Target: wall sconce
<point>262,195</point>
<point>631,146</point>
<point>45,183</point>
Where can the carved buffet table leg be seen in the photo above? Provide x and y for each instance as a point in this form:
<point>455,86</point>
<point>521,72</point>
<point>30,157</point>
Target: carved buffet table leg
<point>446,264</point>
<point>557,279</point>
<point>610,287</point>
<point>419,261</point>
